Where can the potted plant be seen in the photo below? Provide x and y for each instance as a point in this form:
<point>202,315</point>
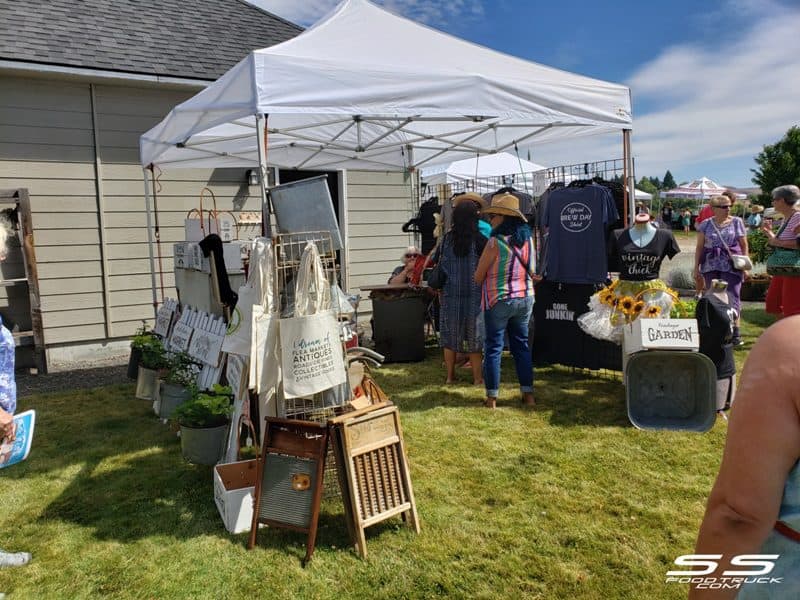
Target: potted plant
<point>203,422</point>
<point>756,283</point>
<point>178,382</point>
<point>140,339</point>
<point>154,359</point>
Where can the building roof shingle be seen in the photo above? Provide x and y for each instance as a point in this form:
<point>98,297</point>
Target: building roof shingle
<point>198,39</point>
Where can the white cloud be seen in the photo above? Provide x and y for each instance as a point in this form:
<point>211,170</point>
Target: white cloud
<point>307,12</point>
<point>695,105</point>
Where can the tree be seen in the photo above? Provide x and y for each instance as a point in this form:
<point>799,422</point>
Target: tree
<point>669,181</point>
<point>656,182</point>
<point>646,185</point>
<point>779,164</point>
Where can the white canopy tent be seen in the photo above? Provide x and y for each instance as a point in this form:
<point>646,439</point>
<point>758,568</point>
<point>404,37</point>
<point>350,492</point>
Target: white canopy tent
<point>367,89</point>
<point>699,188</point>
<point>484,172</point>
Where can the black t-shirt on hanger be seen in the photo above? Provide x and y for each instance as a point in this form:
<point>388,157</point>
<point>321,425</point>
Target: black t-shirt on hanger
<point>715,320</point>
<point>640,264</point>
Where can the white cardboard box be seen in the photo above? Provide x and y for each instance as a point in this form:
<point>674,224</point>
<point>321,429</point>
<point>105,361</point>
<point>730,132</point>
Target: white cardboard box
<point>661,334</point>
<point>231,254</point>
<point>234,489</point>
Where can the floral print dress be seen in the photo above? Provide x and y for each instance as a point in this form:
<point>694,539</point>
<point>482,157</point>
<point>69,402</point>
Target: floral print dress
<point>8,386</point>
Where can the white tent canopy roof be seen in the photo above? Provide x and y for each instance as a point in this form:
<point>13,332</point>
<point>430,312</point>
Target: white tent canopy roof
<point>364,88</point>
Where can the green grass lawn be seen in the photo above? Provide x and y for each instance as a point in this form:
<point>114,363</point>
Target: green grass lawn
<point>565,501</point>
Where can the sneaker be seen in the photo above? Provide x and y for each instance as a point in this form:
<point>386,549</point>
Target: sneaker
<point>15,559</point>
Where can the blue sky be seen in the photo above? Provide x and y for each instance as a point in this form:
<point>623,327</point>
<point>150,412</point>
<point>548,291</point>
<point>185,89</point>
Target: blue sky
<point>712,80</point>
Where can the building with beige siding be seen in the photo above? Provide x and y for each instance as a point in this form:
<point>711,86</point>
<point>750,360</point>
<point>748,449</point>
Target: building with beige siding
<point>79,84</point>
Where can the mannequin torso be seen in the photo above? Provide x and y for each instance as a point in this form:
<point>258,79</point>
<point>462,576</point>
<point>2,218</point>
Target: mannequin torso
<point>642,234</point>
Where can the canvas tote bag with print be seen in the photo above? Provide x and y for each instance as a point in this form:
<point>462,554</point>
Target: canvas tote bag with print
<point>238,336</point>
<point>312,357</point>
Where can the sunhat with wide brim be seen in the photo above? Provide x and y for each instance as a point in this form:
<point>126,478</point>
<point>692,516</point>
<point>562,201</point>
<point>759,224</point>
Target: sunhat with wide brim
<point>505,204</point>
<point>474,196</point>
<point>757,208</point>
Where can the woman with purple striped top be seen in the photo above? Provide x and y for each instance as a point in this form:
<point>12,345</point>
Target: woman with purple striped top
<point>505,272</point>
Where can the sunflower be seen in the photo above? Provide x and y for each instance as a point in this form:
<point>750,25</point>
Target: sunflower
<point>653,311</point>
<point>625,304</point>
<point>613,285</point>
<point>605,296</point>
<point>638,307</point>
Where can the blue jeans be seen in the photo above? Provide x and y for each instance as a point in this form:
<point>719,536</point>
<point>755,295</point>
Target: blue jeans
<point>510,315</point>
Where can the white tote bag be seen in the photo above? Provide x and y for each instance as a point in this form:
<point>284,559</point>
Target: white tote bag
<point>263,342</point>
<point>311,352</point>
<point>238,336</point>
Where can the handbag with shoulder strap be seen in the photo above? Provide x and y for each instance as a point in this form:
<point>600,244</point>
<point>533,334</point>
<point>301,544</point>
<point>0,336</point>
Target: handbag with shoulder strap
<point>741,262</point>
<point>784,261</point>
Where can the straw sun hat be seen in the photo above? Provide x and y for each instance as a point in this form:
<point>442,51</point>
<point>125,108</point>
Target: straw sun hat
<point>505,204</point>
<point>757,208</point>
<point>474,196</point>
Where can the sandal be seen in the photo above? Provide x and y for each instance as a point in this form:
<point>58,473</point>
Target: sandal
<point>490,403</point>
<point>528,400</point>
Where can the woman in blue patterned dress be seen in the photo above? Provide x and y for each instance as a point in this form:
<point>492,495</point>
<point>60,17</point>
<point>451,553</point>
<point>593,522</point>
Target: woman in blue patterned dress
<point>461,297</point>
<point>8,394</point>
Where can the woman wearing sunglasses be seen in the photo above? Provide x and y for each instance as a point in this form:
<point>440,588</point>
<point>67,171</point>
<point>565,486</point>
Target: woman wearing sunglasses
<point>718,238</point>
<point>402,274</point>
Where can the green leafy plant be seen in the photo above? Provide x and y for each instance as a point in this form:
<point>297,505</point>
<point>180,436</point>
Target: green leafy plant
<point>154,355</point>
<point>181,370</point>
<point>757,246</point>
<point>683,309</point>
<point>210,408</point>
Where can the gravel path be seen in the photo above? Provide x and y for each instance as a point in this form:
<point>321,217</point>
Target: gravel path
<point>86,377</point>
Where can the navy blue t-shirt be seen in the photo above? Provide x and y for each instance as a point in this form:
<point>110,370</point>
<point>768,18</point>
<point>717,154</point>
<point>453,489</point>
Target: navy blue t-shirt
<point>577,220</point>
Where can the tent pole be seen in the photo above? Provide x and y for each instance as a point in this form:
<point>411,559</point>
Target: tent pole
<point>629,207</point>
<point>150,240</point>
<point>631,175</point>
<point>261,128</point>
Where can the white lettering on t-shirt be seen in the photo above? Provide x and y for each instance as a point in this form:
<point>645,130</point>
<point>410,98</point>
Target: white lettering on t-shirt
<point>576,217</point>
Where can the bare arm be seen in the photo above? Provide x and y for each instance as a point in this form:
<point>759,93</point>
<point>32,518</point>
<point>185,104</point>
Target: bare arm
<point>488,256</point>
<point>698,250</point>
<point>402,276</point>
<point>776,243</point>
<point>743,245</point>
<point>762,447</point>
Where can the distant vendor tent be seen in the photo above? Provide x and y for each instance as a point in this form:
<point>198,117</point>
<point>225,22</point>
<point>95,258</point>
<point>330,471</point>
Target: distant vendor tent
<point>485,173</point>
<point>699,188</point>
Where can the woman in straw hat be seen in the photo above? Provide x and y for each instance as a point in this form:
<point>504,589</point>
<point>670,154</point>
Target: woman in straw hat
<point>459,329</point>
<point>505,271</point>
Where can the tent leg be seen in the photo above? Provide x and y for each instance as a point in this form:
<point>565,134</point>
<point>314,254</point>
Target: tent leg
<point>150,241</point>
<point>261,133</point>
<point>629,177</point>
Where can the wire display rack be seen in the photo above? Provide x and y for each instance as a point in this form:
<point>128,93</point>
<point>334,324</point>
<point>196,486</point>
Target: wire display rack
<point>321,407</point>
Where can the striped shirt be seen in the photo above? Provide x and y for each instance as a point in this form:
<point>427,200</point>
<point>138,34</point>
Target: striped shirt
<point>507,276</point>
<point>787,232</point>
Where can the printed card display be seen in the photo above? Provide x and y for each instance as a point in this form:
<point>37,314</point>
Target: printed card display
<point>662,334</point>
<point>206,347</point>
<point>181,336</point>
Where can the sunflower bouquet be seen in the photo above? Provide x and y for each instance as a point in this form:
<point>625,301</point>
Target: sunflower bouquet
<point>621,303</point>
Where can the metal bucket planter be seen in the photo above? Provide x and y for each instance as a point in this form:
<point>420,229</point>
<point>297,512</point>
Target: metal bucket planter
<point>146,383</point>
<point>172,396</point>
<point>133,363</point>
<point>203,446</point>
